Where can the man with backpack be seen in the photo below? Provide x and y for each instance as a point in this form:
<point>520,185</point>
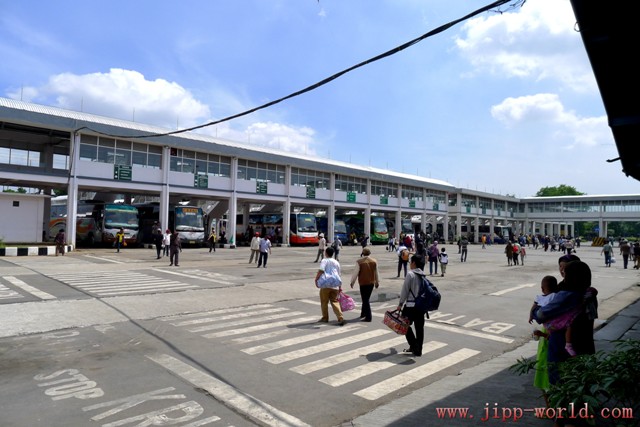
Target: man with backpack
<point>410,288</point>
<point>403,258</point>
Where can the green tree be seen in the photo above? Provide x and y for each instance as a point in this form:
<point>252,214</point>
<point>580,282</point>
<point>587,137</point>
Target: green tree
<point>560,190</point>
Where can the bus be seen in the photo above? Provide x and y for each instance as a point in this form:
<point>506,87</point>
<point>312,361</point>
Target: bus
<point>379,232</point>
<point>111,217</point>
<point>187,221</point>
<point>303,229</point>
<point>96,221</point>
<point>339,229</point>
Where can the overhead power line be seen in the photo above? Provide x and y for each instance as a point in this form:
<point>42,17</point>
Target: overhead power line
<point>494,5</point>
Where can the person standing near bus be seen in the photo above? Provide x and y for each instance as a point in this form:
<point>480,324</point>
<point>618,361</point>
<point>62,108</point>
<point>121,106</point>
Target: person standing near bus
<point>212,240</point>
<point>166,241</point>
<point>322,245</point>
<point>175,247</point>
<point>157,238</point>
<point>60,241</point>
<point>120,242</point>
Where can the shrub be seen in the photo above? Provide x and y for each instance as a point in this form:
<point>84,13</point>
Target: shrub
<point>601,380</point>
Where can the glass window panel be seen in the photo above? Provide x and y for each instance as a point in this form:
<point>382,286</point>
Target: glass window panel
<point>272,176</point>
<point>213,168</point>
<point>201,166</point>
<point>107,142</point>
<point>155,149</point>
<point>88,152</point>
<point>89,139</point>
<point>124,145</point>
<point>251,174</point>
<point>59,161</point>
<point>188,165</point>
<point>262,174</point>
<point>225,169</point>
<point>139,159</point>
<point>188,154</point>
<point>105,154</point>
<point>242,172</point>
<point>122,157</point>
<point>19,157</point>
<point>139,147</point>
<point>154,161</point>
<point>175,164</point>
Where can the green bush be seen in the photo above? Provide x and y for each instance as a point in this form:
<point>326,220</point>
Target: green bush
<point>601,380</point>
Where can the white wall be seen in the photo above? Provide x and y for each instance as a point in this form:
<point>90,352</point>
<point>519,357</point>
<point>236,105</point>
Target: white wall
<point>21,215</point>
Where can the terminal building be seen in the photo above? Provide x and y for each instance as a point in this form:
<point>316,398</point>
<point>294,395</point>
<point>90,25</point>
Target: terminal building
<point>49,148</point>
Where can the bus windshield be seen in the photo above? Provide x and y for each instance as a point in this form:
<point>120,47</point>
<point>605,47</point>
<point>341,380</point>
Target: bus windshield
<point>340,227</point>
<point>307,223</point>
<point>189,219</point>
<point>379,224</point>
<point>115,217</point>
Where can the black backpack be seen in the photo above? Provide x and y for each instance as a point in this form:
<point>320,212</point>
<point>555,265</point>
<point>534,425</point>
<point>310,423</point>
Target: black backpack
<point>428,299</point>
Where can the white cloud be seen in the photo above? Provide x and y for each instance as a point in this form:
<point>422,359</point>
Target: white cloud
<point>272,135</point>
<point>128,95</point>
<point>548,111</point>
<point>122,94</point>
<point>536,41</point>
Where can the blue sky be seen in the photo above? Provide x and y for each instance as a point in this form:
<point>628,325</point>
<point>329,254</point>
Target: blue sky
<point>505,102</point>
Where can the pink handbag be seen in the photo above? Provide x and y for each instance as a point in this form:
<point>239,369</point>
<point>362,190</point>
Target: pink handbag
<point>346,302</point>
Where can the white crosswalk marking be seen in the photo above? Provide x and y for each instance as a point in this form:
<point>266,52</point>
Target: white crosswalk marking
<point>259,327</point>
<point>299,340</point>
<point>309,340</point>
<point>244,321</point>
<point>28,288</point>
<point>7,293</point>
<point>358,372</point>
<point>121,283</point>
<point>292,355</point>
<point>334,360</point>
<point>399,381</point>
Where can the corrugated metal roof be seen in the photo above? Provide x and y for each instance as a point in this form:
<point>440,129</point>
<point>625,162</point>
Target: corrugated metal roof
<point>185,140</point>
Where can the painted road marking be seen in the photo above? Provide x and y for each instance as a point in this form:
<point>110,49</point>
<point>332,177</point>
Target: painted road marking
<point>398,382</point>
<point>28,288</point>
<point>8,293</point>
<point>120,283</point>
<point>333,344</point>
<point>299,340</point>
<point>104,259</point>
<point>441,327</point>
<point>255,409</point>
<point>515,288</point>
<point>204,275</point>
<point>371,367</point>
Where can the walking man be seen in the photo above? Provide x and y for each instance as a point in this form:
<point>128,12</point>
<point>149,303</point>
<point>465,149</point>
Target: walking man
<point>367,274</point>
<point>410,288</point>
<point>255,248</point>
<point>322,245</point>
<point>265,251</point>
<point>329,290</point>
<point>464,244</point>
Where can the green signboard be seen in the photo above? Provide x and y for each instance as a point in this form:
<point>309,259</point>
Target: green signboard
<point>351,197</point>
<point>261,187</point>
<point>201,180</point>
<point>122,172</point>
<point>412,203</point>
<point>311,193</point>
<point>384,200</point>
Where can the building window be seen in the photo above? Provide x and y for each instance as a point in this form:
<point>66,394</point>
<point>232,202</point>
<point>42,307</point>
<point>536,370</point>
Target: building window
<point>384,189</point>
<point>351,184</point>
<point>250,170</point>
<point>310,178</point>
